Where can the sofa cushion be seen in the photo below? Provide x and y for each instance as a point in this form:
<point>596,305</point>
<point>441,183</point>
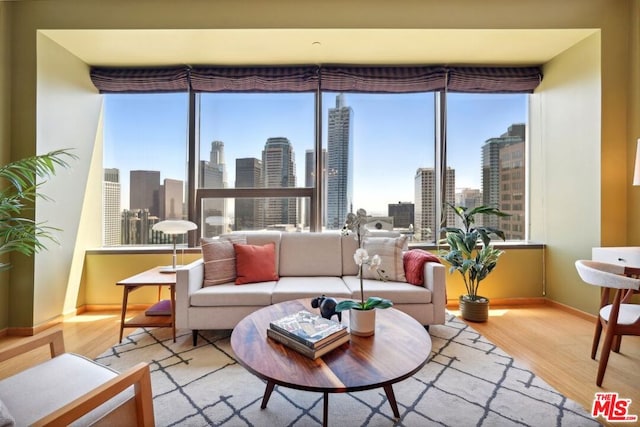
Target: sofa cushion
<point>390,250</point>
<point>58,381</point>
<point>255,263</point>
<point>289,288</point>
<point>6,419</point>
<point>310,254</point>
<point>414,265</point>
<point>230,295</point>
<point>219,258</point>
<point>397,292</point>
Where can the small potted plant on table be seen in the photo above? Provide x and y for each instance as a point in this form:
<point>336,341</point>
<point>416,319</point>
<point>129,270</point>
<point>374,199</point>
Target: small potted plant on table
<point>362,313</point>
<point>473,256</point>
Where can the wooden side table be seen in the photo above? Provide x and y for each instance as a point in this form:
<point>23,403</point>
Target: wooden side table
<point>152,277</point>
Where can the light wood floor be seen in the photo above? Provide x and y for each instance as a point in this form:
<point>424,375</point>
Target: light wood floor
<point>549,341</point>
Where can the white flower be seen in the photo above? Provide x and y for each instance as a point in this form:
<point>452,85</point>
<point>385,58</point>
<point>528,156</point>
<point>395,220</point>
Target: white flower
<point>361,256</point>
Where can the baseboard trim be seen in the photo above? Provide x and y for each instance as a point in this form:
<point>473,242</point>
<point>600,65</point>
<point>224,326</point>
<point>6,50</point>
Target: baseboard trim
<point>504,302</point>
<point>572,310</point>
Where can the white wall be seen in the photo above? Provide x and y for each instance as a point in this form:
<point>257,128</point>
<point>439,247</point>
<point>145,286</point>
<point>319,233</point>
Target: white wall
<point>68,112</point>
<point>566,174</point>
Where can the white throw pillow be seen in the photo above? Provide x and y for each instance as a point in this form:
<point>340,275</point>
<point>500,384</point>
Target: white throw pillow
<point>390,250</point>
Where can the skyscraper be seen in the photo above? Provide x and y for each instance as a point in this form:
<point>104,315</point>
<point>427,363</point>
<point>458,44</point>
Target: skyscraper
<point>426,225</point>
<point>171,199</point>
<point>144,191</point>
<point>503,180</point>
<point>213,174</point>
<point>402,214</point>
<point>278,169</point>
<point>309,181</point>
<point>111,222</point>
<point>249,211</point>
<point>339,164</point>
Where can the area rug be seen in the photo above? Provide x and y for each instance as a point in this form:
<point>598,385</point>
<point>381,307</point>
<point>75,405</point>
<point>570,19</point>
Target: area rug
<point>468,381</point>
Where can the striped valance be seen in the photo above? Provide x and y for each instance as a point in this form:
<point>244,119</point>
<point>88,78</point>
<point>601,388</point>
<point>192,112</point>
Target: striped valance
<point>140,80</point>
<point>391,79</point>
<point>382,79</point>
<point>259,79</point>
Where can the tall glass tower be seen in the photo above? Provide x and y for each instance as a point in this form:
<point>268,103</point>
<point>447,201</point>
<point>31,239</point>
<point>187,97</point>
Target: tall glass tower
<point>278,168</point>
<point>339,164</point>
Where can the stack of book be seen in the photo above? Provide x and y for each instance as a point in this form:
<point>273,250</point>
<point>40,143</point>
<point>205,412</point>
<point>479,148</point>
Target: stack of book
<point>308,333</point>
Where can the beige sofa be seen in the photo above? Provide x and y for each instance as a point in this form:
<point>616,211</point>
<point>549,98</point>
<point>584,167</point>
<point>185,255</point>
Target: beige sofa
<point>308,265</point>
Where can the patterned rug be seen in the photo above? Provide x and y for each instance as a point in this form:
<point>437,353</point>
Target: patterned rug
<point>467,382</point>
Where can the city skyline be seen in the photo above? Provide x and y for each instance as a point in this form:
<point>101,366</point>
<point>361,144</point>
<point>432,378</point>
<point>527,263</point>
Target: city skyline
<point>380,121</point>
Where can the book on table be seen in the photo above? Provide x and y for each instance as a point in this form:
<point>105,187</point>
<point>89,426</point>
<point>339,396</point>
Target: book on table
<point>312,353</point>
<point>310,329</point>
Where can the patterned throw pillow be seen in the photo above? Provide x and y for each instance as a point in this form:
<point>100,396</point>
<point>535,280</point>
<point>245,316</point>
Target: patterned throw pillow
<point>219,259</point>
<point>255,263</point>
<point>389,249</point>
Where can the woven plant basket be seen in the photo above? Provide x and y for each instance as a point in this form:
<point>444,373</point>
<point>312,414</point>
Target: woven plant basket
<point>474,311</point>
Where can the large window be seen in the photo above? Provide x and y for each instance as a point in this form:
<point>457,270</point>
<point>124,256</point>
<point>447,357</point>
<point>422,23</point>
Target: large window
<point>238,156</point>
<point>145,141</point>
<point>255,141</point>
<point>486,153</point>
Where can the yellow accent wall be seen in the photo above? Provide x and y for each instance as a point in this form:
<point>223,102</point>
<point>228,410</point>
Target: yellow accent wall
<point>585,144</point>
<point>103,270</point>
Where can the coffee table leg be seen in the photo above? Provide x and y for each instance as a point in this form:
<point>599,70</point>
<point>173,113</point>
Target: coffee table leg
<point>325,410</point>
<point>267,394</point>
<point>391,397</point>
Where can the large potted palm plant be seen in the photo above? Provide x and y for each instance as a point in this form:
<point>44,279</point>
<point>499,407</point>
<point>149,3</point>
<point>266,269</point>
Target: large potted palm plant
<point>471,253</point>
<point>20,182</point>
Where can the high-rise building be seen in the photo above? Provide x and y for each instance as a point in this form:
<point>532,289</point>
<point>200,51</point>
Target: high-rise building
<point>426,225</point>
<point>339,164</point>
<point>309,181</point>
<point>213,174</point>
<point>111,193</point>
<point>503,180</point>
<point>144,191</point>
<point>248,212</point>
<point>402,214</point>
<point>279,170</point>
<point>171,199</point>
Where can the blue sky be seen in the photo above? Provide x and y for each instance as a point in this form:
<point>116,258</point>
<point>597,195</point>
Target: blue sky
<point>393,135</point>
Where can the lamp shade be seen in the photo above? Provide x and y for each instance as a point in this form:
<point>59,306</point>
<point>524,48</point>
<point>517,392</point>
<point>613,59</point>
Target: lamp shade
<point>636,169</point>
<point>174,226</point>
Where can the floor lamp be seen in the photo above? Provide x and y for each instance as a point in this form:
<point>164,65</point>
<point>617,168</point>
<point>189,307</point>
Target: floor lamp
<point>173,228</point>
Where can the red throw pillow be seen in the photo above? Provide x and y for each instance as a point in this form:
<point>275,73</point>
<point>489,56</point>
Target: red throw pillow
<point>413,261</point>
<point>255,263</point>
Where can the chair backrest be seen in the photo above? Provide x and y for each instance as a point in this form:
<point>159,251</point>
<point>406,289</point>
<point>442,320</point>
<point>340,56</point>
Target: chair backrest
<point>606,275</point>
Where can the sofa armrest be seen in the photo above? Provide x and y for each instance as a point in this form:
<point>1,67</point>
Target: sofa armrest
<point>139,376</point>
<point>435,281</point>
<point>53,338</point>
<point>189,279</point>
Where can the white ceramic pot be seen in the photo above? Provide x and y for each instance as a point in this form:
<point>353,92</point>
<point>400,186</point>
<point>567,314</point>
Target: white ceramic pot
<point>362,322</point>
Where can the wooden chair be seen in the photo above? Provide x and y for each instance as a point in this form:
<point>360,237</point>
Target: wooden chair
<point>71,389</point>
<point>616,316</point>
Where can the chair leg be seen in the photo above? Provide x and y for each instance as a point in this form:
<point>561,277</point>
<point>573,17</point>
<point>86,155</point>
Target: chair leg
<point>596,339</point>
<point>604,355</point>
<point>616,343</point>
<point>194,334</point>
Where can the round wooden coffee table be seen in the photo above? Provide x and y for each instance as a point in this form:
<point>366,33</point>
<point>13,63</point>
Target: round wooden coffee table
<point>399,348</point>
